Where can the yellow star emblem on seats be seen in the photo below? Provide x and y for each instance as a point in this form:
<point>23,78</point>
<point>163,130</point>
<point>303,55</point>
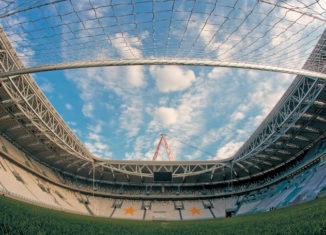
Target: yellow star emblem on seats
<point>130,211</point>
<point>195,211</point>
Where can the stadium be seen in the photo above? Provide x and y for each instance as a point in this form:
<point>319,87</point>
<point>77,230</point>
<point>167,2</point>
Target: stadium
<point>46,163</point>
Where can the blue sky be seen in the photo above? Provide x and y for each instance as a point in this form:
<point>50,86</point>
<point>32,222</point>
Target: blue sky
<point>120,112</point>
<point>214,109</point>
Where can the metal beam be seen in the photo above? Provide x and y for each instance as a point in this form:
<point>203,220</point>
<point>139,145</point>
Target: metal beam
<point>31,102</point>
<point>82,166</point>
<point>242,166</point>
<point>293,107</point>
<point>252,164</point>
<point>161,61</point>
<point>74,163</point>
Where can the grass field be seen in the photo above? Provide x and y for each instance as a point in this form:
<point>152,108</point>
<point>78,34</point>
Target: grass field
<point>22,218</point>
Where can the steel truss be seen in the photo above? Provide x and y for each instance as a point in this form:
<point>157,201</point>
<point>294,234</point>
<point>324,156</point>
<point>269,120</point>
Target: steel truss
<point>147,169</point>
<point>33,104</point>
<point>279,121</point>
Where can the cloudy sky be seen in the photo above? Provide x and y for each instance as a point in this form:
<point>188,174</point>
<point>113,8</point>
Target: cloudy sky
<point>205,112</point>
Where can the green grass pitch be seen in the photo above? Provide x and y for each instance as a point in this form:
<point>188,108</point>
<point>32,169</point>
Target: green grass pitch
<point>21,218</point>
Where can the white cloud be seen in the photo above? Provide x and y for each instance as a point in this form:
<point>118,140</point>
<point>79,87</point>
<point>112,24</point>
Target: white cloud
<point>96,85</point>
<point>95,128</point>
<point>253,98</point>
<point>127,45</point>
<point>77,132</point>
<point>227,150</point>
<point>68,106</point>
<point>143,149</point>
<point>88,109</point>
<point>94,136</point>
<point>252,74</point>
<point>98,148</point>
<point>267,91</point>
<point>109,106</point>
<point>46,87</point>
<point>131,117</point>
<point>237,116</point>
<point>167,116</point>
<point>71,123</point>
<point>135,76</point>
<point>138,156</point>
<point>211,136</point>
<point>172,78</point>
<point>220,72</point>
<point>95,142</point>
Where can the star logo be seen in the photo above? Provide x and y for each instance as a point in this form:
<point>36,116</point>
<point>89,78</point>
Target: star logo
<point>195,211</point>
<point>130,211</point>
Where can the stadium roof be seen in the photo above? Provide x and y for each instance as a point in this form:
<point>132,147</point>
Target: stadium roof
<point>294,125</point>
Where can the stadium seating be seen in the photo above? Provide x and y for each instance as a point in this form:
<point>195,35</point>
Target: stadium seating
<point>129,213</point>
<point>305,186</point>
<point>162,210</point>
<point>23,177</point>
<point>101,206</point>
<point>195,210</point>
<point>129,210</point>
<point>220,205</point>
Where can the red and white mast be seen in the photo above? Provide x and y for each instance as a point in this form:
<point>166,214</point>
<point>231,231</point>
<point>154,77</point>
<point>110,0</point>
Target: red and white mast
<point>166,146</point>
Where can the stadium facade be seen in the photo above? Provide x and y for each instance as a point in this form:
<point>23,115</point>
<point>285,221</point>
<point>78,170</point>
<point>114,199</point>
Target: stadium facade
<point>43,162</point>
